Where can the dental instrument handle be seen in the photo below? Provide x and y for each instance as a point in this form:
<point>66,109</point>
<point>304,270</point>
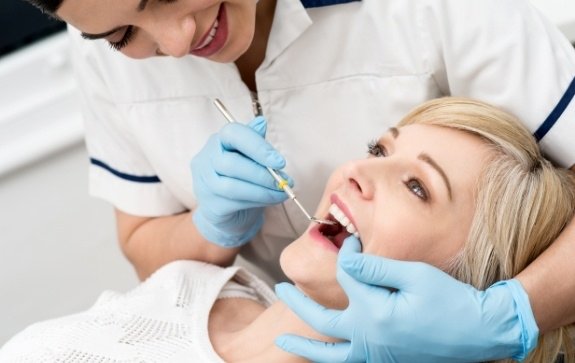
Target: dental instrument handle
<point>282,183</point>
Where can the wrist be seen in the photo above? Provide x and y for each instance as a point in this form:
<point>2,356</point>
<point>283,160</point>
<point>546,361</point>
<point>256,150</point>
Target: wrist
<point>520,331</point>
<point>225,233</point>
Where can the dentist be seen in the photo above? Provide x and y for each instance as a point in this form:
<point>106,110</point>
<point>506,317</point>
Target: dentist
<point>327,75</point>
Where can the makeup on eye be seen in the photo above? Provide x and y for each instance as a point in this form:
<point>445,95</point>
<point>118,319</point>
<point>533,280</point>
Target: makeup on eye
<point>417,188</point>
<point>374,148</point>
<point>125,40</point>
<point>129,32</point>
<point>414,185</point>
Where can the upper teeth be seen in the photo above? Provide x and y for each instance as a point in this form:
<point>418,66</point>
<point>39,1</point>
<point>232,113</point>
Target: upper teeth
<point>210,36</point>
<point>343,220</point>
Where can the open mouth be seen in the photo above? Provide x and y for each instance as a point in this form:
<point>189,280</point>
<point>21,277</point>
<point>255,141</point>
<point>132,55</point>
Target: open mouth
<point>338,232</point>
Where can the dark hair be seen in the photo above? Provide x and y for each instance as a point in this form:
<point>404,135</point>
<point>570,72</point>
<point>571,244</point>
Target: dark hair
<point>48,6</point>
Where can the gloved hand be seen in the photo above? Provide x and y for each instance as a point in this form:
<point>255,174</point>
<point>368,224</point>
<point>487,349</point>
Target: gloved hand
<point>430,318</point>
<point>232,185</point>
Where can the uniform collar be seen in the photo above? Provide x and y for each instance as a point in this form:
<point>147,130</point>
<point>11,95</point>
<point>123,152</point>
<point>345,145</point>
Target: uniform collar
<point>320,3</point>
<point>290,22</point>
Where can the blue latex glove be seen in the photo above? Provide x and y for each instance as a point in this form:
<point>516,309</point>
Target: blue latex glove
<point>232,185</point>
<point>430,318</point>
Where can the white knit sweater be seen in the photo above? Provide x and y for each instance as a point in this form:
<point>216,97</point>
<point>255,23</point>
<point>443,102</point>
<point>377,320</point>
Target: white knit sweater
<point>164,319</point>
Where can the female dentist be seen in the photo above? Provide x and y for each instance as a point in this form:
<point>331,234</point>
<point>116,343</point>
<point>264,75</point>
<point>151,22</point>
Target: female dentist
<point>326,74</point>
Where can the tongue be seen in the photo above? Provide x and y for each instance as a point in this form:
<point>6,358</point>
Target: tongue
<point>340,237</point>
<point>331,229</point>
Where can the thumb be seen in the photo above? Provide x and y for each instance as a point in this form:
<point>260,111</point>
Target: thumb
<point>380,271</point>
<point>259,125</point>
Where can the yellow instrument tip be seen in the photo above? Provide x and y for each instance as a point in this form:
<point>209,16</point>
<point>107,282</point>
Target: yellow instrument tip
<point>282,184</point>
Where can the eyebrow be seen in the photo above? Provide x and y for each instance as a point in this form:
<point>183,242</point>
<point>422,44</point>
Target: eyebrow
<point>429,160</point>
<point>141,7</point>
<point>426,158</point>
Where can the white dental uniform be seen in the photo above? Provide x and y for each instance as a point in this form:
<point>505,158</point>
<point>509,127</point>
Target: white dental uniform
<point>334,77</point>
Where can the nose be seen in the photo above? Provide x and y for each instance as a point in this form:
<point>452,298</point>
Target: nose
<point>174,38</point>
<point>358,178</point>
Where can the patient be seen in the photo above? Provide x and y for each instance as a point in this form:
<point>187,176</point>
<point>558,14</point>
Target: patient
<point>458,184</point>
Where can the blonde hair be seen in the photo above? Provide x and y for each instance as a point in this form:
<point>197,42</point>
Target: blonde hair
<point>523,203</point>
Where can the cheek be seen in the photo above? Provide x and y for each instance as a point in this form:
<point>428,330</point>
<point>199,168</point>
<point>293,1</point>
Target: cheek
<point>401,233</point>
<point>241,28</point>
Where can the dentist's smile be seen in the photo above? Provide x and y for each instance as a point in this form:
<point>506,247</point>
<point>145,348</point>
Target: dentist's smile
<point>215,38</point>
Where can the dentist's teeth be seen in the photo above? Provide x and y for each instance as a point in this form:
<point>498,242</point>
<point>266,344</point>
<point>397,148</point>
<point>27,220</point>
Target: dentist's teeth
<point>343,219</point>
<point>210,36</point>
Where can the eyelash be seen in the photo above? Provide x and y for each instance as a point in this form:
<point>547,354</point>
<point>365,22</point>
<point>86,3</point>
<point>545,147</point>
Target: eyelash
<point>417,188</point>
<point>414,185</point>
<point>128,35</point>
<point>376,149</point>
<point>130,32</point>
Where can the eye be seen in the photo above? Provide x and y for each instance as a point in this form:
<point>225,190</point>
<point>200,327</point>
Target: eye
<point>128,35</point>
<point>417,188</point>
<point>376,149</point>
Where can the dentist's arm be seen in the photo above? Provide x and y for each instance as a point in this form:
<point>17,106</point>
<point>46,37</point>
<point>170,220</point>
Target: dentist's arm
<point>232,186</point>
<point>150,243</point>
<point>550,282</point>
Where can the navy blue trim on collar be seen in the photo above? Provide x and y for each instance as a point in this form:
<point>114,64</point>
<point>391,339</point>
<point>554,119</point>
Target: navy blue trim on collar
<point>319,3</point>
<point>556,113</point>
<point>133,178</point>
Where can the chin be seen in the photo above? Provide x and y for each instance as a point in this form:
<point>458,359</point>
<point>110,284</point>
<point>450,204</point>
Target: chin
<point>314,278</point>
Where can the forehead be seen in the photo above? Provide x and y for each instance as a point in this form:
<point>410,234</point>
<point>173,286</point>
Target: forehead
<point>440,138</point>
<point>461,154</point>
<point>92,15</point>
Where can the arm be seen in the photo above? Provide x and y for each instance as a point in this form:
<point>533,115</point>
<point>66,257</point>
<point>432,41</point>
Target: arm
<point>139,239</point>
<point>550,284</point>
<point>231,186</point>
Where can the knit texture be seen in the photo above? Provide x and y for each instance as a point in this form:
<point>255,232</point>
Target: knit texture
<point>164,319</point>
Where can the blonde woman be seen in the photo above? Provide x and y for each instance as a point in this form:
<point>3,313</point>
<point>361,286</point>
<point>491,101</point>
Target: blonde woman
<point>458,184</point>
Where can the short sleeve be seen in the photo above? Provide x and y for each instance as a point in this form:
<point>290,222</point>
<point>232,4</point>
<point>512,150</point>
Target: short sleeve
<point>506,53</point>
<point>119,171</point>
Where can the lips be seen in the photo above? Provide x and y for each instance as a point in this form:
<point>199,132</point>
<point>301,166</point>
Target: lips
<point>215,38</point>
<point>335,234</point>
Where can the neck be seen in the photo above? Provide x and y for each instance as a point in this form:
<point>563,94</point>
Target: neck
<point>249,62</point>
<point>254,342</point>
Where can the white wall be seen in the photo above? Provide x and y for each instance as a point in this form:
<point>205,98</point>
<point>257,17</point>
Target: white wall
<point>58,249</point>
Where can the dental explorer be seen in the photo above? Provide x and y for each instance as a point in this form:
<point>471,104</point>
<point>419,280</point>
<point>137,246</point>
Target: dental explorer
<point>282,183</point>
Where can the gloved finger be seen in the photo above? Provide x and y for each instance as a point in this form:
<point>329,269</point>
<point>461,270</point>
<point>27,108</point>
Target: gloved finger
<point>237,166</point>
<point>358,291</point>
<point>381,271</point>
<point>241,138</point>
<point>259,125</point>
<point>352,287</point>
<point>240,195</point>
<point>314,350</point>
<point>351,245</point>
<point>322,319</point>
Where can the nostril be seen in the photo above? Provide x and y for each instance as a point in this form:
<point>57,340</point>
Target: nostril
<point>355,184</point>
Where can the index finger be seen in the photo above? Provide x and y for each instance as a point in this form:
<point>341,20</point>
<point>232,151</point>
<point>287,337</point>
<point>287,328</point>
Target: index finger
<point>251,144</point>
